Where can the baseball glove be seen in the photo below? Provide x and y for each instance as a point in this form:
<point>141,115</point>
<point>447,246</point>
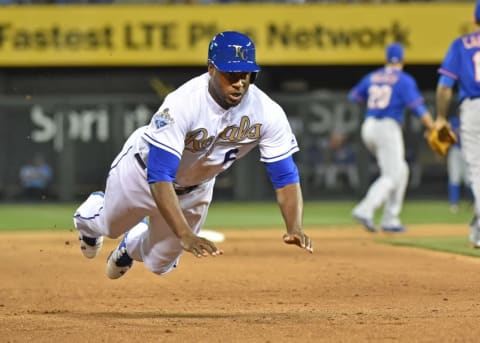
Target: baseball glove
<point>441,139</point>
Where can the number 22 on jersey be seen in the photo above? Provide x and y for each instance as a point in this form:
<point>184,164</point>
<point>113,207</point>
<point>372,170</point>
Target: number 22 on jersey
<point>379,96</point>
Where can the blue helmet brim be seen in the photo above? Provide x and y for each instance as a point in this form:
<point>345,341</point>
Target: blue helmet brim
<point>236,66</point>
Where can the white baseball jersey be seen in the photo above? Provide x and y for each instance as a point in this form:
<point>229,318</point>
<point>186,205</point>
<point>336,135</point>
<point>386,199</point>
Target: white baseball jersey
<point>207,139</point>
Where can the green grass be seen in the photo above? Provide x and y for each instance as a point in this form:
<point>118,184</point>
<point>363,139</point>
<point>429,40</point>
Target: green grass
<point>455,245</point>
<point>21,217</point>
<point>327,213</point>
<point>226,215</point>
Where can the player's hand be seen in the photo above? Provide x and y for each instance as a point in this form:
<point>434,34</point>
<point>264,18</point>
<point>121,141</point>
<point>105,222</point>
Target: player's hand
<point>300,239</point>
<point>440,122</point>
<point>199,246</point>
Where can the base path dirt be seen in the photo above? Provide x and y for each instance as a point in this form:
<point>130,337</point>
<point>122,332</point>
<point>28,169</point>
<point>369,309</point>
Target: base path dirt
<point>352,289</point>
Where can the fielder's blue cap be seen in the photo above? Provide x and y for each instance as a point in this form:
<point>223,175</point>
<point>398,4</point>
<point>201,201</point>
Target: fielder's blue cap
<point>232,51</point>
<point>477,10</point>
<point>394,53</point>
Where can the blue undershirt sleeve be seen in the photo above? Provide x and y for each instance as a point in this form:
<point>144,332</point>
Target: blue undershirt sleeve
<point>446,81</point>
<point>283,172</point>
<point>161,165</point>
<point>420,110</point>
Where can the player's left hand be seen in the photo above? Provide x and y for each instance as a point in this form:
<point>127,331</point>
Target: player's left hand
<point>300,239</point>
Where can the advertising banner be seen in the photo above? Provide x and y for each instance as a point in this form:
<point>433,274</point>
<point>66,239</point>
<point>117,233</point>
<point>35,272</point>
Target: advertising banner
<point>178,35</point>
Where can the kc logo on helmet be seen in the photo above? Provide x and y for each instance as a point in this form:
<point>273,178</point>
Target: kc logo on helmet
<point>241,53</point>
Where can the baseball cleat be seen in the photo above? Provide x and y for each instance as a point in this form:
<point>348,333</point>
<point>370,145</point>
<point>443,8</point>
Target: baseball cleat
<point>118,262</point>
<point>394,229</point>
<point>367,223</point>
<point>89,246</point>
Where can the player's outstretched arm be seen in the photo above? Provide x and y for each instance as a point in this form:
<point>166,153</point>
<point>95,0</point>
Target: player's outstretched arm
<point>443,97</point>
<point>290,200</point>
<point>168,205</point>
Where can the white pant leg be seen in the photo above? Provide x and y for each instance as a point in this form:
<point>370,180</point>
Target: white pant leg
<point>394,203</point>
<point>455,166</point>
<point>470,136</point>
<point>87,218</point>
<point>126,202</point>
<point>157,246</point>
<point>384,139</point>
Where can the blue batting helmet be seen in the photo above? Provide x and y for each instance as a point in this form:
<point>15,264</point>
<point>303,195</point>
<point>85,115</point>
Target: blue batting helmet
<point>232,51</point>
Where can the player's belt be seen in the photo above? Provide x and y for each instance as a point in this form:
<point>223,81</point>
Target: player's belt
<point>184,190</point>
<point>140,161</point>
<point>178,189</point>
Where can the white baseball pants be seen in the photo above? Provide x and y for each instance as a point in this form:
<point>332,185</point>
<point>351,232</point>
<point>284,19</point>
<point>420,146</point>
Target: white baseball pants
<point>384,139</point>
<point>470,135</point>
<point>127,201</point>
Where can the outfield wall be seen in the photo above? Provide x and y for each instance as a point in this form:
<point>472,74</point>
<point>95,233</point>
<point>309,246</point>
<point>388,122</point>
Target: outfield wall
<point>80,136</point>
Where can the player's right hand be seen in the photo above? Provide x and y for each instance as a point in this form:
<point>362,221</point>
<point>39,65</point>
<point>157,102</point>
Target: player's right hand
<point>199,246</point>
<point>300,239</point>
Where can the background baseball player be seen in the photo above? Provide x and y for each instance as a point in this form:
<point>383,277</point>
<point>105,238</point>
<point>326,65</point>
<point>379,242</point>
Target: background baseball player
<point>166,170</point>
<point>458,175</point>
<point>387,92</point>
<point>461,65</point>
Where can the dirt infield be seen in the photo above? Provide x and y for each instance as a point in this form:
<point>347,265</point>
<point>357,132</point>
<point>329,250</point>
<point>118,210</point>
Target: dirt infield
<point>352,289</point>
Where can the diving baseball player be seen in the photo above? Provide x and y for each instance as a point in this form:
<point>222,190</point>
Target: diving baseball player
<point>461,65</point>
<point>160,185</point>
<point>387,91</point>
